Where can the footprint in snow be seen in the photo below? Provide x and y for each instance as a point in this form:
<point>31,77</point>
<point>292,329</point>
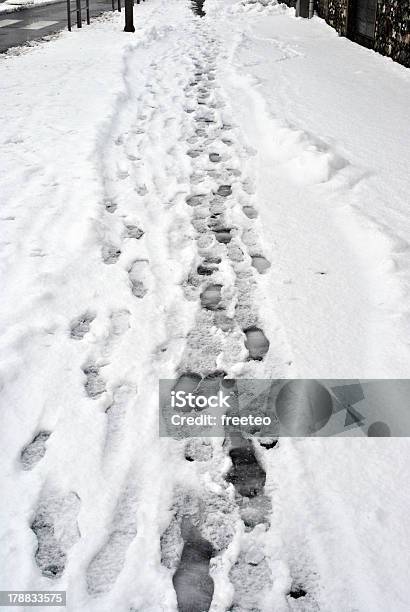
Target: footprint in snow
<point>194,153</point>
<point>223,235</point>
<point>249,575</point>
<point>55,527</point>
<point>224,191</point>
<point>246,474</point>
<point>123,397</point>
<point>94,384</point>
<point>110,253</point>
<point>133,231</point>
<point>206,269</point>
<point>119,324</point>
<point>137,274</point>
<point>260,263</point>
<point>256,342</point>
<point>81,326</point>
<point>193,585</point>
<point>196,200</point>
<point>35,451</point>
<point>214,157</point>
<point>205,120</point>
<point>250,212</point>
<point>255,511</point>
<point>211,297</point>
<point>110,206</point>
<point>141,190</point>
<point>297,592</point>
<point>107,564</point>
<point>216,221</point>
<point>234,172</point>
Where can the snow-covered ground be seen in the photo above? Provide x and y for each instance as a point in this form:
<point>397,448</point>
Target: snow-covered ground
<point>295,140</point>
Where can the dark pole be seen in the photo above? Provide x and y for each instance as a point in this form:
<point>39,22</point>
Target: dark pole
<point>79,16</point>
<point>129,16</point>
<point>69,15</point>
<point>87,4</point>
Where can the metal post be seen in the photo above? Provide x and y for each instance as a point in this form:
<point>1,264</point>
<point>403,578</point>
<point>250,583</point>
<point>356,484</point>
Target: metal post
<point>69,15</point>
<point>87,6</point>
<point>129,16</point>
<point>79,18</point>
<point>119,5</point>
<point>113,4</point>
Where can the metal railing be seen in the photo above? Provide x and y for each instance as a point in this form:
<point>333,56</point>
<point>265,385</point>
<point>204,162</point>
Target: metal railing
<point>78,10</point>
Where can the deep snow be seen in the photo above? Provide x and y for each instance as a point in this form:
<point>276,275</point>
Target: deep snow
<point>107,141</point>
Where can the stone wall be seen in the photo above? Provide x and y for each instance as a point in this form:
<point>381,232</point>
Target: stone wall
<point>337,15</point>
<point>322,8</point>
<point>393,30</point>
<point>392,34</point>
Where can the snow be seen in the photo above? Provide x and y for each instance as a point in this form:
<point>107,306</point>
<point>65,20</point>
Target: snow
<point>349,185</point>
<point>101,299</point>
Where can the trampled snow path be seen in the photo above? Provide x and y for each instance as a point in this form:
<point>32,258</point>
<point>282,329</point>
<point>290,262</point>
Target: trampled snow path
<point>148,244</point>
<point>227,258</point>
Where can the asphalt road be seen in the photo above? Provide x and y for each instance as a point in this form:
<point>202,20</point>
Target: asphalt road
<point>29,24</point>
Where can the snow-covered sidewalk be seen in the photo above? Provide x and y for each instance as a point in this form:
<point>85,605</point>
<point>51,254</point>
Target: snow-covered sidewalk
<point>166,196</point>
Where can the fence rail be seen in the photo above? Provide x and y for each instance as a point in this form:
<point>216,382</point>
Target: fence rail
<point>81,8</point>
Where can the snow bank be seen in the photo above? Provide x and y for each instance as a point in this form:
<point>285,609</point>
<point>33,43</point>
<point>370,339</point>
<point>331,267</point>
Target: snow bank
<point>265,7</point>
<point>307,94</point>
